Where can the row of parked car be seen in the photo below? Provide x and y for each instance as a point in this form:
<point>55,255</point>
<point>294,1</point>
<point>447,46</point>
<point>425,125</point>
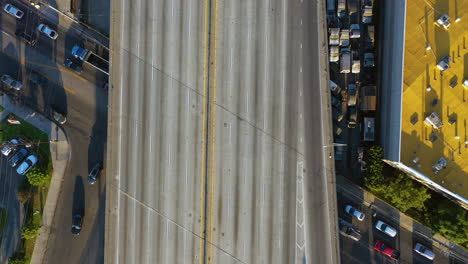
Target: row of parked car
<point>348,230</point>
<point>19,156</point>
<point>44,29</point>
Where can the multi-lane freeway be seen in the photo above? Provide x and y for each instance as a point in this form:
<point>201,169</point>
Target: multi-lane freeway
<point>216,151</point>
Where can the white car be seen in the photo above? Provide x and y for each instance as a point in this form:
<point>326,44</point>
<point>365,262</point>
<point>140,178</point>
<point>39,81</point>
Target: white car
<point>27,164</point>
<point>47,31</point>
<point>12,10</point>
<point>10,146</point>
<point>444,21</point>
<point>382,226</point>
<point>354,212</point>
<point>424,251</point>
<point>11,83</point>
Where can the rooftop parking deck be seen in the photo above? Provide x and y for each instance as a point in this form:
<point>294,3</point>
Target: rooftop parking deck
<point>426,44</point>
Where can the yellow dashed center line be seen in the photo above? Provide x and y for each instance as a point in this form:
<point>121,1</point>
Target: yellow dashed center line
<point>24,62</point>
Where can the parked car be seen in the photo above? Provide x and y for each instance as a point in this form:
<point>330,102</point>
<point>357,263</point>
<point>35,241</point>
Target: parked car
<point>19,155</point>
<point>9,147</point>
<point>14,11</point>
<point>348,230</point>
<point>30,39</point>
<point>27,164</point>
<point>94,173</point>
<point>58,116</point>
<point>420,249</point>
<point>47,31</point>
<point>73,65</point>
<point>354,212</point>
<point>77,223</point>
<point>382,226</point>
<point>11,83</point>
<point>386,250</point>
<point>369,60</point>
<point>336,102</point>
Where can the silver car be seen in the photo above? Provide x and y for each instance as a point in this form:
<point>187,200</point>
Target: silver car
<point>420,249</point>
<point>11,83</point>
<point>9,147</point>
<point>14,11</point>
<point>382,226</point>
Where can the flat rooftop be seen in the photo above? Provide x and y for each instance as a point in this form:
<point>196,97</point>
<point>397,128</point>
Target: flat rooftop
<point>426,44</point>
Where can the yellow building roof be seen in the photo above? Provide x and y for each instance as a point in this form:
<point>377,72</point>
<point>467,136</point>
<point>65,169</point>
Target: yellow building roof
<point>422,145</point>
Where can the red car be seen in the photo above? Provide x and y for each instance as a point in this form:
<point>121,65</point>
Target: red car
<point>386,250</point>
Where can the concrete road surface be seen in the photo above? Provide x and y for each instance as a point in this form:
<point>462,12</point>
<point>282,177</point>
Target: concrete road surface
<point>216,152</point>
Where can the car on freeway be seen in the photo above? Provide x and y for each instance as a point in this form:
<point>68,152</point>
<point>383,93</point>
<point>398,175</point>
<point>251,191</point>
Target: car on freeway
<point>73,65</point>
<point>422,250</point>
<point>354,212</point>
<point>77,223</point>
<point>94,173</point>
<point>382,226</point>
<point>14,11</point>
<point>47,31</point>
<point>26,165</point>
<point>19,155</point>
<point>348,230</point>
<point>386,250</point>
<point>11,83</point>
<point>9,147</point>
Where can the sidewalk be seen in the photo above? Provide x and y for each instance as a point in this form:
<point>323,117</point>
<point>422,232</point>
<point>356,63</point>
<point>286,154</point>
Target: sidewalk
<point>60,154</point>
<point>408,223</point>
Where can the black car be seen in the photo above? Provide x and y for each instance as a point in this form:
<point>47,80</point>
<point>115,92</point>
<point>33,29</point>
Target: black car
<point>73,65</point>
<point>94,173</point>
<point>77,222</point>
<point>19,155</point>
<point>348,230</point>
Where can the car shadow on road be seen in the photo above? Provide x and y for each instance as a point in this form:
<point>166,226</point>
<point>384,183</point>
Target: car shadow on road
<point>78,197</point>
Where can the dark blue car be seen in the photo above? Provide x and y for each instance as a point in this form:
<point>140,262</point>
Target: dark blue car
<point>19,155</point>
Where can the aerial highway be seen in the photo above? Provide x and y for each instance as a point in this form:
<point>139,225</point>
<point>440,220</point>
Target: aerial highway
<point>218,149</point>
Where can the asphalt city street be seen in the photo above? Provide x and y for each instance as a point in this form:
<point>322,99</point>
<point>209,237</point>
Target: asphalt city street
<point>85,128</point>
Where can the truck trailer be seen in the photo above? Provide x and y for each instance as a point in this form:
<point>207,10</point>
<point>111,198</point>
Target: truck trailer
<point>91,58</point>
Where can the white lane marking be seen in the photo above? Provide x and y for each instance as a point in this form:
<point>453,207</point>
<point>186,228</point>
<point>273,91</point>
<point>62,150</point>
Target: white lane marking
<point>134,230</point>
<point>148,246</point>
<point>186,175</point>
<point>243,248</point>
<point>263,194</point>
<point>300,116</point>
<point>169,153</point>
<point>247,99</point>
<point>301,45</point>
<point>188,100</point>
<point>301,21</point>
<point>230,132</point>
<point>150,145</point>
<point>167,240</point>
<point>230,60</point>
<point>229,205</point>
<point>245,176</point>
<point>300,69</point>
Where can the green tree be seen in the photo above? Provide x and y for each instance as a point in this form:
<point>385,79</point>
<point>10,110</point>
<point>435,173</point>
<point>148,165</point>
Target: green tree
<point>373,176</point>
<point>37,177</point>
<point>451,221</point>
<point>29,232</point>
<point>405,193</point>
